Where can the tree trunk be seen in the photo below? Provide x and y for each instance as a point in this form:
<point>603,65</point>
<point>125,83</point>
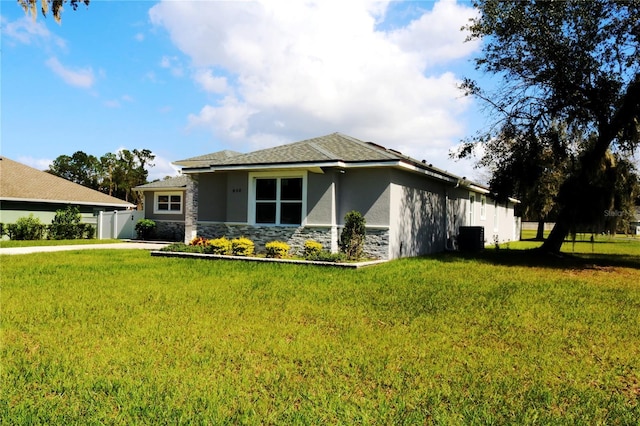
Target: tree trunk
<point>560,230</point>
<point>540,232</point>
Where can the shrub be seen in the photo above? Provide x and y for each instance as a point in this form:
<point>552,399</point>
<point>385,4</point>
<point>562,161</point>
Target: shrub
<point>66,225</point>
<point>86,231</point>
<point>242,246</point>
<point>198,241</point>
<point>277,249</point>
<point>183,248</point>
<point>26,228</point>
<point>326,256</point>
<point>312,248</point>
<point>220,246</point>
<point>145,229</point>
<point>353,235</point>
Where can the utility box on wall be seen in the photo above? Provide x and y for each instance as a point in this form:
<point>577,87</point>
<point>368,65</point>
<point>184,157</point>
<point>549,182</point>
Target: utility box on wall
<point>471,238</point>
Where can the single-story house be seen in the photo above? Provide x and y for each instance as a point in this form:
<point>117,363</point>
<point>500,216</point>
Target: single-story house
<point>25,190</point>
<point>303,190</point>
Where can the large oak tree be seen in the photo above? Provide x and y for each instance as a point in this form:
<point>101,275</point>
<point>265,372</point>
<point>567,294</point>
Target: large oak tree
<point>571,62</point>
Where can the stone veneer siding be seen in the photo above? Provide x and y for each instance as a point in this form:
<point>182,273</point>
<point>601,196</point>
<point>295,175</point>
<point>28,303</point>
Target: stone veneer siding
<point>191,209</point>
<point>169,231</point>
<point>376,240</point>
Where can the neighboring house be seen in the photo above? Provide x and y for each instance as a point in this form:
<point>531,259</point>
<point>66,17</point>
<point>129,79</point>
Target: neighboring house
<point>25,190</point>
<point>303,190</point>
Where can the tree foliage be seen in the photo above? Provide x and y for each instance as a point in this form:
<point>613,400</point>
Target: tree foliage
<point>568,101</point>
<point>46,6</point>
<point>114,174</point>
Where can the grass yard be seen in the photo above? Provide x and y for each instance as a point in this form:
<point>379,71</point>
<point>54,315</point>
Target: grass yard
<point>119,337</point>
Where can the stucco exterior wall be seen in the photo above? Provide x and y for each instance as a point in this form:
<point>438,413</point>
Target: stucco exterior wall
<point>367,191</point>
<point>419,217</point>
<point>149,200</point>
<point>319,197</point>
<point>237,197</point>
<point>212,196</point>
<point>503,224</point>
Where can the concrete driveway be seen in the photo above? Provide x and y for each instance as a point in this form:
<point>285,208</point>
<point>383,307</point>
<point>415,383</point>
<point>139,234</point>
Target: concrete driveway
<point>142,245</point>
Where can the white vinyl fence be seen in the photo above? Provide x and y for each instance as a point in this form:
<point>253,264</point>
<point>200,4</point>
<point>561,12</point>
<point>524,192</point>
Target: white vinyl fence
<point>118,224</point>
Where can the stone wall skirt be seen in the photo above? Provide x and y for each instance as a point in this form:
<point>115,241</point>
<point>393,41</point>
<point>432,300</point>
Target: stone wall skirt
<point>376,240</point>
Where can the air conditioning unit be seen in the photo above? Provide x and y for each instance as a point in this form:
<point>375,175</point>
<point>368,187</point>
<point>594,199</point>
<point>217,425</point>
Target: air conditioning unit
<point>471,238</point>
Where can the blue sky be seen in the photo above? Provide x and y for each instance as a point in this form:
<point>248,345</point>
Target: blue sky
<point>185,78</point>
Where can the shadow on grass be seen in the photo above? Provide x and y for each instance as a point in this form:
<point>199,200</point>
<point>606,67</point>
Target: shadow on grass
<point>537,258</point>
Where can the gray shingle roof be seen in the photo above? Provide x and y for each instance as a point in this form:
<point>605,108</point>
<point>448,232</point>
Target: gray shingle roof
<point>215,156</point>
<point>174,182</point>
<point>319,152</point>
<point>333,147</point>
<point>21,182</point>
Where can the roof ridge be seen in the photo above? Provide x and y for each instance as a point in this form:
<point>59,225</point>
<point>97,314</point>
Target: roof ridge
<point>323,151</point>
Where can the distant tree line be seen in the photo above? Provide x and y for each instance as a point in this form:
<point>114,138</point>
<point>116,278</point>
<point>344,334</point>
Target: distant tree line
<point>114,174</point>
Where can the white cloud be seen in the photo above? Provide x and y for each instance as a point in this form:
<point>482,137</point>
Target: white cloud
<point>112,103</point>
<point>162,168</point>
<point>82,77</point>
<point>139,37</point>
<point>209,82</point>
<point>290,70</point>
<point>172,64</point>
<point>36,163</point>
<point>28,31</point>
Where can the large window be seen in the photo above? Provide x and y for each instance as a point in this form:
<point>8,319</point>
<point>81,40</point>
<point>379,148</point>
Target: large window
<point>278,200</point>
<point>168,203</point>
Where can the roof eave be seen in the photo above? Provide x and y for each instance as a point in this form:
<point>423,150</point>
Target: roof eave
<point>80,203</point>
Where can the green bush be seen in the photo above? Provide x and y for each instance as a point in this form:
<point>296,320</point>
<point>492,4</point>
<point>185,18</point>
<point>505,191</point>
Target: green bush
<point>326,256</point>
<point>277,249</point>
<point>145,229</point>
<point>27,228</point>
<point>221,246</point>
<point>242,246</point>
<point>66,225</point>
<point>353,235</point>
<point>183,248</point>
<point>312,248</point>
<point>86,231</point>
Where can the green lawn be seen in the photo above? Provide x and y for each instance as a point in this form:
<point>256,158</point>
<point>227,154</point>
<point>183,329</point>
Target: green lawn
<point>119,337</point>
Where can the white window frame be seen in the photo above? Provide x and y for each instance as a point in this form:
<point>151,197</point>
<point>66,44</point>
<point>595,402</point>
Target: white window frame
<point>483,207</point>
<point>156,202</point>
<point>254,176</point>
<point>472,208</point>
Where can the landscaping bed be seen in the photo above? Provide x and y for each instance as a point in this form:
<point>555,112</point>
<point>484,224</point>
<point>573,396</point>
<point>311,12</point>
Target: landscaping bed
<point>349,265</point>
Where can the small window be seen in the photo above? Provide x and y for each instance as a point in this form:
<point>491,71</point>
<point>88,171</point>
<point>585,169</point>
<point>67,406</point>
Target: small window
<point>168,203</point>
<point>483,207</point>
